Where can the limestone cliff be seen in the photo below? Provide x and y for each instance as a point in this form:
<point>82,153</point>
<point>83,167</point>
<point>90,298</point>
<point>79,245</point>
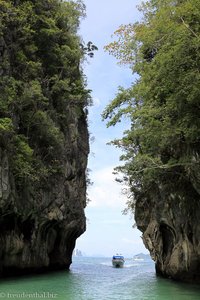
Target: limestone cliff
<point>39,230</point>
<point>171,229</point>
<point>43,135</point>
<point>161,147</point>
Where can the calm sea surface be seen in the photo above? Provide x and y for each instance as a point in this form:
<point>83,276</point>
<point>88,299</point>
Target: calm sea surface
<point>95,278</point>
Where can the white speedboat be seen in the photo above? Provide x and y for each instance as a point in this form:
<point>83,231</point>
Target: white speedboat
<point>118,261</point>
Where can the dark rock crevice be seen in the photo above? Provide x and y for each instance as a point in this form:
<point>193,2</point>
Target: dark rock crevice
<point>171,233</point>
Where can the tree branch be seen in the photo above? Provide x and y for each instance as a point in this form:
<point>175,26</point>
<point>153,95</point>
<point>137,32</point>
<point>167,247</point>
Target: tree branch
<point>188,27</point>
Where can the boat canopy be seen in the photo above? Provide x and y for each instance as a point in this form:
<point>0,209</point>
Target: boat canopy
<point>118,257</point>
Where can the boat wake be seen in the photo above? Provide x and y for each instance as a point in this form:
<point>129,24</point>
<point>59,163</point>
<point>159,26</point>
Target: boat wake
<point>126,265</point>
<point>108,264</point>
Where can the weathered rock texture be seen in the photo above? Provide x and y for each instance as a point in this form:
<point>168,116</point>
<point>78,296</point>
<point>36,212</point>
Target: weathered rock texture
<point>43,135</point>
<point>171,229</point>
<point>38,231</point>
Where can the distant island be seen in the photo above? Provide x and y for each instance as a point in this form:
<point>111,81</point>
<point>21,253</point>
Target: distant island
<point>77,252</point>
<point>142,256</point>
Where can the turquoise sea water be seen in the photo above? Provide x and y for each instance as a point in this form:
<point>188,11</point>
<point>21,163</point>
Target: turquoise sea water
<point>95,278</point>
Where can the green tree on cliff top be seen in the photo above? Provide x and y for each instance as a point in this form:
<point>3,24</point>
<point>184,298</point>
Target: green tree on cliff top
<point>41,77</point>
<point>161,149</point>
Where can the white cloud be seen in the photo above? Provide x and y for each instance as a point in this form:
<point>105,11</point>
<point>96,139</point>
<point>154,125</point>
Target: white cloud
<point>96,101</point>
<point>105,191</point>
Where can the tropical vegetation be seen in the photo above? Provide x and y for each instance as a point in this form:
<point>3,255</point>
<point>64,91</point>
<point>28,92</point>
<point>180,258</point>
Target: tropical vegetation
<point>162,146</point>
<point>41,77</point>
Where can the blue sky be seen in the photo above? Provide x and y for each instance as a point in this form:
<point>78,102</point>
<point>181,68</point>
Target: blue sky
<point>108,230</point>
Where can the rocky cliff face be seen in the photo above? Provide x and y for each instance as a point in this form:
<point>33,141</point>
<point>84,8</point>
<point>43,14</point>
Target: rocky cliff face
<point>43,135</point>
<point>39,230</point>
<point>171,229</point>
